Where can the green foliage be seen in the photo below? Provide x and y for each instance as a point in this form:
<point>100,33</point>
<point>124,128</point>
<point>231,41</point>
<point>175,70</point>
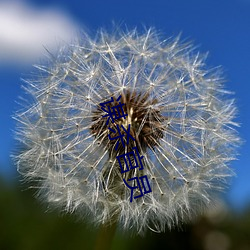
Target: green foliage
<point>26,226</point>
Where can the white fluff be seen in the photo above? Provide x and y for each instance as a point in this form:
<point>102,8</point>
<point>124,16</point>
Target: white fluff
<point>185,168</point>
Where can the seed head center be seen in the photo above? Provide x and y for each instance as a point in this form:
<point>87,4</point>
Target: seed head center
<point>144,126</point>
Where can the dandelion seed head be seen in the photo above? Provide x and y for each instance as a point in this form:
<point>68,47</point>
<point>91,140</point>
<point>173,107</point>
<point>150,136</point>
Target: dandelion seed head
<point>178,112</point>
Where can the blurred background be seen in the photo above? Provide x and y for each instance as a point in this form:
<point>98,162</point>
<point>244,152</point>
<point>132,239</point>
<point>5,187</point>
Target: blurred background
<point>28,28</point>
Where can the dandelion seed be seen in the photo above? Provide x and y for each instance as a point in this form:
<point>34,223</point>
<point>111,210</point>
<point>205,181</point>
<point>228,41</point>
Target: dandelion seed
<point>180,117</point>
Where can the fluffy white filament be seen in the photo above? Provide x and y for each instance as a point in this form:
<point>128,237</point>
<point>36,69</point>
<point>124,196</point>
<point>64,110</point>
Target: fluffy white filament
<point>185,167</point>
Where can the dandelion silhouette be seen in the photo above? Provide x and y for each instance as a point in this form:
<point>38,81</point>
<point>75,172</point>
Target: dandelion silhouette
<point>180,117</point>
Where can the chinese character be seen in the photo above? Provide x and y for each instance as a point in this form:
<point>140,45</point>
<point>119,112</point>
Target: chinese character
<point>116,112</point>
<point>127,157</point>
<point>138,186</point>
<point>121,135</point>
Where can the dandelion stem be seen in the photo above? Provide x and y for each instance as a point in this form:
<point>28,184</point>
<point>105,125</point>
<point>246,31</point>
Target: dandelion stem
<point>105,236</point>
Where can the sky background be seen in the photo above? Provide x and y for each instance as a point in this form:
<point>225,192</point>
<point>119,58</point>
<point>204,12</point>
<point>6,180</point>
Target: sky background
<point>220,27</point>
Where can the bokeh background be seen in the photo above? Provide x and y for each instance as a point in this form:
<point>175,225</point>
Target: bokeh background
<point>29,28</point>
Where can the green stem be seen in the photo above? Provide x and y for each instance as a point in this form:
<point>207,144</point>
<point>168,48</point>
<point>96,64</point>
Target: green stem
<point>105,236</point>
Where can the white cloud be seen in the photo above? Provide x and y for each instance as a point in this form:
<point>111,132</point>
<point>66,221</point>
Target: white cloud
<point>25,31</point>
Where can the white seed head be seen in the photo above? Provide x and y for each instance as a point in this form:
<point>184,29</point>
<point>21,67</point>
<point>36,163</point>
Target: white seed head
<point>180,117</point>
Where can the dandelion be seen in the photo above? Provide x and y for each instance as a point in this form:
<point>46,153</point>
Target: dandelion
<point>176,110</point>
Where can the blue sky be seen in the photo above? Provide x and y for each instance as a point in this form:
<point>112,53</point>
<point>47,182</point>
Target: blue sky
<point>221,27</point>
